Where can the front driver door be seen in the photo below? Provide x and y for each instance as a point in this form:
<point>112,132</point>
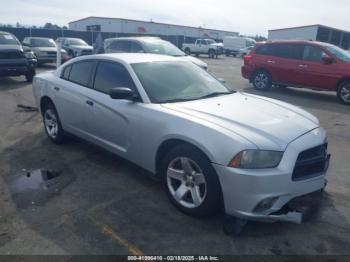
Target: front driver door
<point>114,124</point>
<point>313,72</point>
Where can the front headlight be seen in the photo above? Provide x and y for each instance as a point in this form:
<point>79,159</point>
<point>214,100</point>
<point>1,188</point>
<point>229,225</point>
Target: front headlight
<point>29,55</point>
<point>256,159</point>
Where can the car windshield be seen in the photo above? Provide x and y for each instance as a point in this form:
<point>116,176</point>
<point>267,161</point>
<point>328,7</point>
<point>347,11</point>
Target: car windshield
<point>163,48</point>
<point>167,82</point>
<point>7,39</point>
<point>42,42</point>
<point>339,53</point>
<point>77,42</point>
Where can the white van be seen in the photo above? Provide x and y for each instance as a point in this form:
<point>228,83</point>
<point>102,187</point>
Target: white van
<point>233,44</point>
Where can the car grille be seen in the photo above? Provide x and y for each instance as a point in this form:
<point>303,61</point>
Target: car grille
<point>11,55</point>
<point>311,163</point>
<point>52,53</point>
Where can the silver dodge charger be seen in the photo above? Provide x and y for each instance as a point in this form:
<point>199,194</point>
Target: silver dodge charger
<point>212,147</point>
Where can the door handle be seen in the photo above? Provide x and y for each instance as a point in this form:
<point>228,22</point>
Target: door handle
<point>302,66</point>
<point>56,88</point>
<point>90,103</point>
<point>271,62</point>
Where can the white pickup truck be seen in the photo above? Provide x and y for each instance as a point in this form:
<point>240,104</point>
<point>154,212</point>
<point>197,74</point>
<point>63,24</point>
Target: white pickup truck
<point>204,46</point>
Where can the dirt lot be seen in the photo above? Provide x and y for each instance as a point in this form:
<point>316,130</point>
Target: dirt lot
<point>109,206</point>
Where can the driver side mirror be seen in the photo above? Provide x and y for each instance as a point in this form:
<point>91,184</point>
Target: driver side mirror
<point>327,59</point>
<point>121,93</point>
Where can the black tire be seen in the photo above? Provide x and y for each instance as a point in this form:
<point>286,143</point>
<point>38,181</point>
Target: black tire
<point>59,138</point>
<point>213,197</point>
<point>71,54</point>
<point>343,93</point>
<point>262,81</point>
<point>188,51</point>
<point>29,76</point>
<point>211,53</point>
<point>197,55</point>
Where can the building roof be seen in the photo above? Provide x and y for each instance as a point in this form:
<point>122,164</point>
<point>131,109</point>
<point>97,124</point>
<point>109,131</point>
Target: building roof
<point>306,26</point>
<point>141,21</point>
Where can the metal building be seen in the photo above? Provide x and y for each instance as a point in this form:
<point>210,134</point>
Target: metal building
<point>320,33</point>
<point>127,26</point>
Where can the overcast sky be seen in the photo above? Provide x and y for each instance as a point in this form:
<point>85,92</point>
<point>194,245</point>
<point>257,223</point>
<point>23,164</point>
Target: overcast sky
<point>247,17</point>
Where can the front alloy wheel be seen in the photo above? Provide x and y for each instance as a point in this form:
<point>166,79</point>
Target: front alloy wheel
<point>344,93</point>
<point>191,181</point>
<point>186,182</point>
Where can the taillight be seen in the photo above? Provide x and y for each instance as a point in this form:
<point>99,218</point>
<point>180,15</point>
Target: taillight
<point>247,59</point>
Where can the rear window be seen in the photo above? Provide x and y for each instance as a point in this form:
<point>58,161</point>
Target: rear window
<point>120,46</point>
<point>66,72</point>
<point>81,73</point>
<point>289,51</point>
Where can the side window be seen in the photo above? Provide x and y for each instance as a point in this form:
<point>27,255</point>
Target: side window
<point>120,46</point>
<point>289,51</point>
<point>313,53</point>
<point>110,75</point>
<point>81,72</point>
<point>264,49</point>
<point>66,72</point>
<point>204,42</point>
<point>136,48</point>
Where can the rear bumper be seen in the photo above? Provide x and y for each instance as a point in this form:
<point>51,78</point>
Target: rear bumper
<point>261,195</point>
<point>246,72</point>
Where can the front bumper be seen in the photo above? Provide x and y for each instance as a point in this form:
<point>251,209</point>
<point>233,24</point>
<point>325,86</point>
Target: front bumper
<point>17,67</point>
<point>244,191</point>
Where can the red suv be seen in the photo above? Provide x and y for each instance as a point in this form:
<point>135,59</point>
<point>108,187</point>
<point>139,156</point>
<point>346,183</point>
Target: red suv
<point>307,64</point>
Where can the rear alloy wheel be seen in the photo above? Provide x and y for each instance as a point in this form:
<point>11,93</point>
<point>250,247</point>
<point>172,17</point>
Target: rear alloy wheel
<point>262,81</point>
<point>344,93</point>
<point>191,182</point>
<point>53,127</point>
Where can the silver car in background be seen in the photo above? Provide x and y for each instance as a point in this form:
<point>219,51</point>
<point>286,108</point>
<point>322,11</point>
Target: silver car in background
<point>151,45</point>
<point>45,49</point>
<point>210,145</point>
<point>75,46</point>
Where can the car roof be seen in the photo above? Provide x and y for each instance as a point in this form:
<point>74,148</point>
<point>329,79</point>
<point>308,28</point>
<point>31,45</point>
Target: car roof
<point>137,38</point>
<point>132,58</point>
<point>5,33</point>
<point>297,42</point>
<point>36,37</point>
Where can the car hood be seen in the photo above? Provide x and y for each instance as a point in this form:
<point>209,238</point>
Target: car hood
<point>196,61</point>
<point>218,44</point>
<point>81,47</point>
<point>44,49</point>
<point>267,123</point>
<point>11,47</point>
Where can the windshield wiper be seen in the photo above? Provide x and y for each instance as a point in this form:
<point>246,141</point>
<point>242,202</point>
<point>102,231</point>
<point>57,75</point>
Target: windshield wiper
<point>214,94</point>
<point>177,100</point>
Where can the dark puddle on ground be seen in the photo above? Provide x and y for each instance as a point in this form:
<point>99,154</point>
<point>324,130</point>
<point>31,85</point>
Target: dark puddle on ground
<point>36,187</point>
